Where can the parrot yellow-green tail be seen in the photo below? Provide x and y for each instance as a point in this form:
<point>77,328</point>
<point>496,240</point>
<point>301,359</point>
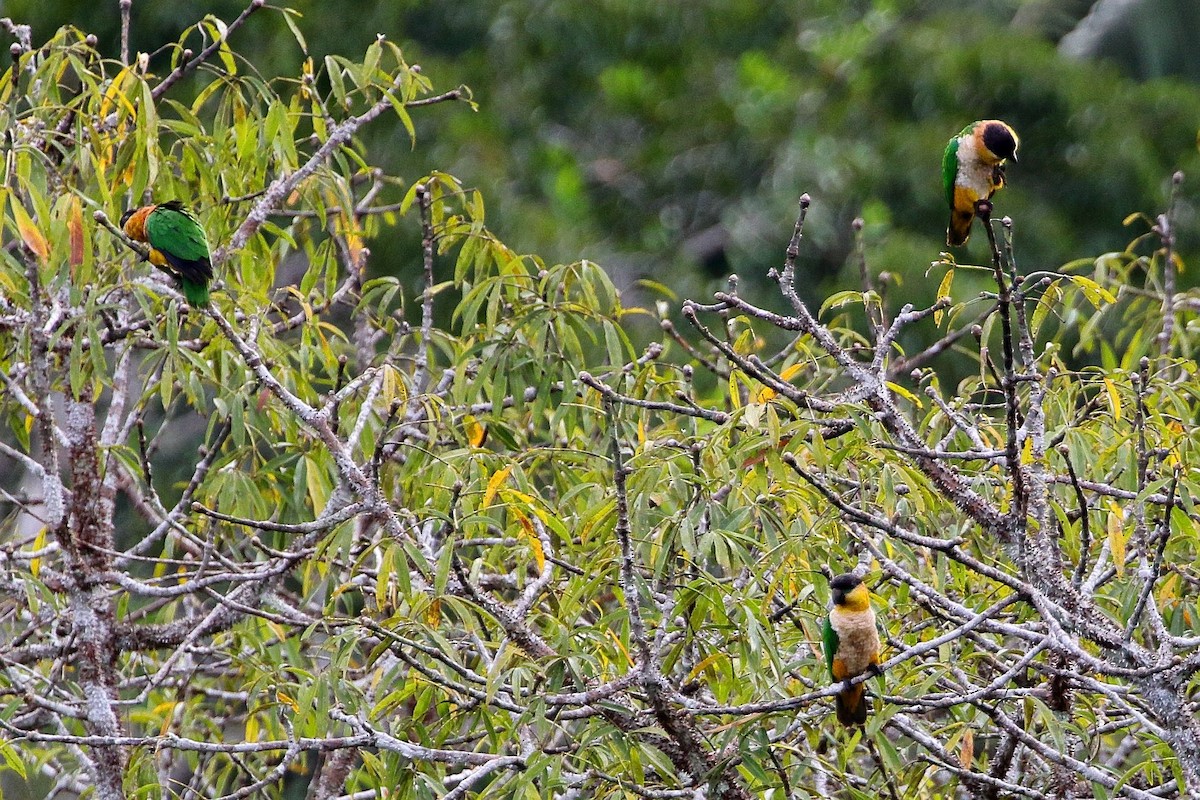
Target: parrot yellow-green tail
<point>852,706</point>
<point>959,229</point>
<point>196,293</point>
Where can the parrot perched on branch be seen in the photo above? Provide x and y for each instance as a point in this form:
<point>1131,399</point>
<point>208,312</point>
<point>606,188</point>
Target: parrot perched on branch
<point>973,169</point>
<point>851,645</point>
<point>177,242</point>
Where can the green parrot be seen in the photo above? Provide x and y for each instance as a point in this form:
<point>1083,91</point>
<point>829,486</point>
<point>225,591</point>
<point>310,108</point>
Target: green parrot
<point>973,169</point>
<point>852,646</point>
<point>177,242</point>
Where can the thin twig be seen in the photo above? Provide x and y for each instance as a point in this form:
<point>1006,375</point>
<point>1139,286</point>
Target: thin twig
<point>186,66</point>
<point>424,202</point>
<point>125,7</point>
<point>1165,228</point>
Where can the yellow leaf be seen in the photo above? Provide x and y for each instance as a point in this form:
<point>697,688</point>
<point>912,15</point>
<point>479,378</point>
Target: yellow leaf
<point>1168,590</point>
<point>746,722</point>
<point>493,485</point>
<point>382,583</point>
<point>167,710</point>
<point>164,708</point>
<point>39,541</point>
<point>905,393</point>
<point>508,494</point>
<point>599,514</point>
<point>735,393</point>
<point>1027,451</point>
<point>29,231</point>
<point>943,291</point>
<point>287,701</point>
<point>1116,537</point>
<point>115,96</point>
<point>703,665</point>
<point>75,230</point>
<point>966,753</point>
<point>302,301</point>
<point>620,645</point>
<point>790,372</point>
<point>393,387</point>
<point>1096,294</point>
<point>766,393</point>
<point>991,437</point>
<point>352,232</point>
<point>535,543</point>
<point>1114,399</point>
<point>475,431</point>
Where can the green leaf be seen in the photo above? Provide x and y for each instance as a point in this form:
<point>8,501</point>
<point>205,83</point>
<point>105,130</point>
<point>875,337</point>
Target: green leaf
<point>12,760</point>
<point>405,119</point>
<point>318,485</point>
<point>1048,302</point>
<point>334,72</point>
<point>840,299</point>
<point>288,13</point>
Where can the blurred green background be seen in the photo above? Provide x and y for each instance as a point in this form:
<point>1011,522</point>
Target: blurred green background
<point>671,140</point>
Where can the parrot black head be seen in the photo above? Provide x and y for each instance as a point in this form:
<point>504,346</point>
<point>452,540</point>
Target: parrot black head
<point>1000,139</point>
<point>125,217</point>
<point>843,585</point>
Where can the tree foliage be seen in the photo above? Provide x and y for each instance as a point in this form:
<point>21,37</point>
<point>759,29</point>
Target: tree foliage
<point>667,141</point>
<point>334,536</point>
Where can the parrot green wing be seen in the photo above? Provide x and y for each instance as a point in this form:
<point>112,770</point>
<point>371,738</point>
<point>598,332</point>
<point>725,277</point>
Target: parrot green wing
<point>179,237</point>
<point>175,232</point>
<point>831,642</point>
<point>950,170</point>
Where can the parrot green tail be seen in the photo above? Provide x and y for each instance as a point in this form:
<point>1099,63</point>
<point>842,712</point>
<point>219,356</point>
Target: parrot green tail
<point>851,706</point>
<point>196,293</point>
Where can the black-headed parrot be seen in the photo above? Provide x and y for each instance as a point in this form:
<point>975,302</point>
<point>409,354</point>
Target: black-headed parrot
<point>177,242</point>
<point>973,169</point>
<point>852,646</point>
